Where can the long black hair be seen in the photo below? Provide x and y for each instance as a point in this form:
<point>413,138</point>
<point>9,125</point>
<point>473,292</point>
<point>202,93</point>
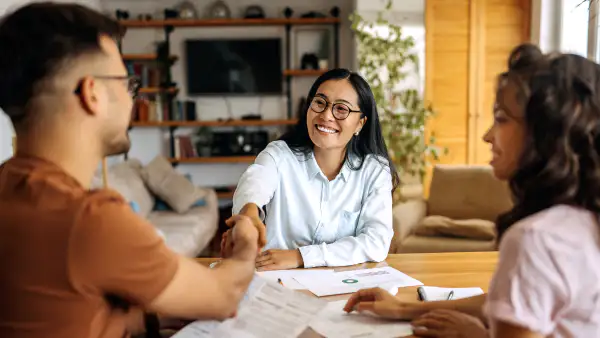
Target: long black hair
<point>370,140</point>
<point>560,162</point>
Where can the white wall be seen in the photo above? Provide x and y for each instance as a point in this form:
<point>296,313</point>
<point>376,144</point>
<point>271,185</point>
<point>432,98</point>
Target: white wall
<point>574,33</point>
<point>410,15</point>
<point>560,25</point>
<point>150,142</point>
<point>546,24</point>
<point>6,130</point>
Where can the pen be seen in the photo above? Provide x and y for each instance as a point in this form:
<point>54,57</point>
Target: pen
<point>450,295</point>
<point>280,282</point>
<point>421,294</point>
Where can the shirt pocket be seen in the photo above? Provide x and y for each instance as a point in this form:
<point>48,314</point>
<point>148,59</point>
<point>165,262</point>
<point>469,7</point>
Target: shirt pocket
<point>348,222</point>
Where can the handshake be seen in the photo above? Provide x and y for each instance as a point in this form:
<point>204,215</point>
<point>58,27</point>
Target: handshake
<point>245,238</point>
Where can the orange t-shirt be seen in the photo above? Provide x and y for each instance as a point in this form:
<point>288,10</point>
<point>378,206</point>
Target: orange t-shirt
<point>65,251</point>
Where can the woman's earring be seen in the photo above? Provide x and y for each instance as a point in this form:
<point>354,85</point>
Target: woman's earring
<point>356,134</point>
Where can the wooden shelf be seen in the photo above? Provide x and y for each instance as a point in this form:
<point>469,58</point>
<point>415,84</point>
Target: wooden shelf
<point>232,123</point>
<point>227,22</point>
<point>304,72</point>
<point>225,195</point>
<point>145,57</point>
<point>156,90</point>
<point>206,160</point>
<point>313,21</point>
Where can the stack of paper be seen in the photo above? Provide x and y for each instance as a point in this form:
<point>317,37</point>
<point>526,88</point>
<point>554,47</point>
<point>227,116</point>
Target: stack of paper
<point>268,310</point>
<point>288,277</point>
<point>333,322</point>
<point>351,281</point>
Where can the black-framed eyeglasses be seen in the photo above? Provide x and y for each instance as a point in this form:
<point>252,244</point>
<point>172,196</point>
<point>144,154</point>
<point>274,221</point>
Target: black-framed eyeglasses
<point>133,83</point>
<point>340,111</point>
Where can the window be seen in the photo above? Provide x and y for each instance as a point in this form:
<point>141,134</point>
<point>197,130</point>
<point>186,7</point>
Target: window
<point>574,33</point>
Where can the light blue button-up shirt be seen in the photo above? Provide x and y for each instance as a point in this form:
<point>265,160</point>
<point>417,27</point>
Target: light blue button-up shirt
<point>341,222</point>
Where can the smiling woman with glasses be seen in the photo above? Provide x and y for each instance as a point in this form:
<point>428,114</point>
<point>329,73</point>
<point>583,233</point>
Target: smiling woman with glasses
<point>324,190</point>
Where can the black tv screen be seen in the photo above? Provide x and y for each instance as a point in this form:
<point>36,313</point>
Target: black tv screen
<point>218,67</point>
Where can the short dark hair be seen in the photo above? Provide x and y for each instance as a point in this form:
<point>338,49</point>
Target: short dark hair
<point>370,140</point>
<point>34,42</point>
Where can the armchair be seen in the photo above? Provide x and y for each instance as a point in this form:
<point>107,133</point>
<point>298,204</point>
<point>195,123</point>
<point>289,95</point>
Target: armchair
<point>458,216</point>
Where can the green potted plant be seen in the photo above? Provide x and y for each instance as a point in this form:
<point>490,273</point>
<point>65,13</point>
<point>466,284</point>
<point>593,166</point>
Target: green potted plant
<point>383,59</point>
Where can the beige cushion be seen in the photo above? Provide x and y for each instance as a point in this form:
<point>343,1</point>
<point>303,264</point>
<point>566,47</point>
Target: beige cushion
<point>420,244</point>
<point>129,174</point>
<point>125,178</point>
<point>172,187</point>
<point>189,233</point>
<point>467,192</point>
<point>467,228</point>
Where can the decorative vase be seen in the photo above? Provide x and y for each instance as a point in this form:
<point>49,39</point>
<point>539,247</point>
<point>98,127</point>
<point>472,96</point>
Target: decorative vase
<point>219,10</point>
<point>187,10</point>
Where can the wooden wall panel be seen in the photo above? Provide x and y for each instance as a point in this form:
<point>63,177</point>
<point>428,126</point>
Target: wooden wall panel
<point>467,45</point>
<point>447,47</point>
<point>504,22</point>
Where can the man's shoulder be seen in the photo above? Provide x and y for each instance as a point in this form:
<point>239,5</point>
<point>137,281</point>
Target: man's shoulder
<point>103,198</point>
<point>103,205</point>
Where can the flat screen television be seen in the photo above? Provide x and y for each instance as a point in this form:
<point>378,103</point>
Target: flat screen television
<point>234,67</point>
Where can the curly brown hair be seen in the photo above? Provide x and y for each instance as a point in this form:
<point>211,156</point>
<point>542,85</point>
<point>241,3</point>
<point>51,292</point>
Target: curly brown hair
<point>560,163</point>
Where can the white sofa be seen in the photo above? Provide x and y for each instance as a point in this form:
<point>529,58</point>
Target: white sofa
<point>187,233</point>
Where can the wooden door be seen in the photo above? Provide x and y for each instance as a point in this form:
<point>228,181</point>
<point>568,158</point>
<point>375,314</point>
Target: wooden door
<point>447,74</point>
<point>506,24</point>
<point>467,45</point>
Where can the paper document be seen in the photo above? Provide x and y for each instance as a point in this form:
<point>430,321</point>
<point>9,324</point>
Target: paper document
<point>333,322</point>
<point>268,310</point>
<point>433,293</point>
<point>351,281</point>
<point>288,276</point>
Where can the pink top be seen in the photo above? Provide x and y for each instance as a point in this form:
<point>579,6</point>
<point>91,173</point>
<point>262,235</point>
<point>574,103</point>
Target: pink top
<point>548,274</point>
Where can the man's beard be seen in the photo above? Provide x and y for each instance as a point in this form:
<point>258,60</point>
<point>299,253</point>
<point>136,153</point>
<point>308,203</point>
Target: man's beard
<point>117,146</point>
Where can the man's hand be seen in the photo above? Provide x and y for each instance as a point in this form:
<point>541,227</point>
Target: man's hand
<point>448,324</point>
<point>381,303</point>
<point>255,220</point>
<point>240,241</point>
<point>279,260</point>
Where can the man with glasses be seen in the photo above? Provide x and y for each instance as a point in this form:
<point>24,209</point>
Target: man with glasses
<point>74,262</point>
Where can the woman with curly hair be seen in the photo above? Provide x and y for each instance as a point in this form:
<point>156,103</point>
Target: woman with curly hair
<point>545,142</point>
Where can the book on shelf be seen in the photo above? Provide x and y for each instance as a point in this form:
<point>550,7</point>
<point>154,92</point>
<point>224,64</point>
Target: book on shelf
<point>151,110</point>
<point>184,147</point>
<point>149,75</point>
<point>183,111</point>
<point>159,109</point>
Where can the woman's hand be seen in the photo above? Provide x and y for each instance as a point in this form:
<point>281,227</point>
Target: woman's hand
<point>225,253</point>
<point>381,303</point>
<point>279,260</point>
<point>448,324</point>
